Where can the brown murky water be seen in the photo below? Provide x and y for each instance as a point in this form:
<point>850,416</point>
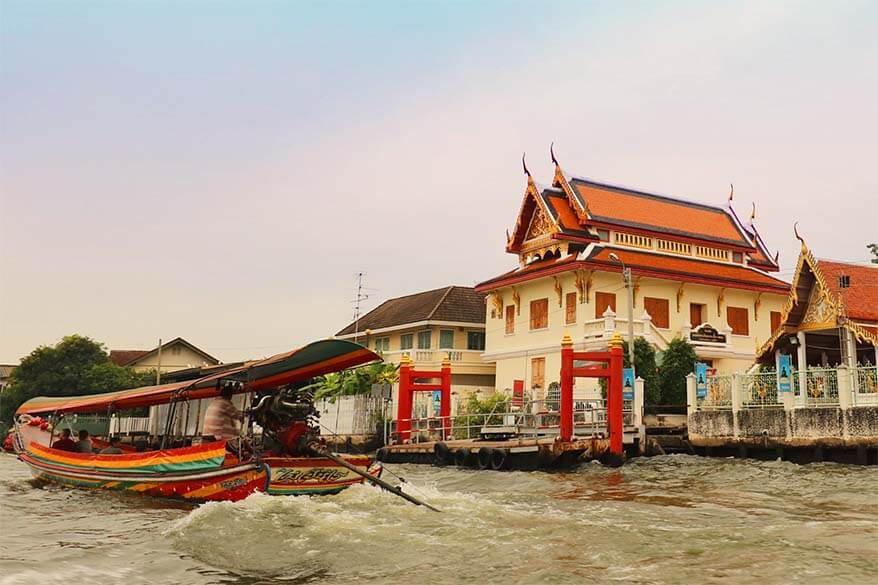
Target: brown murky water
<point>675,519</point>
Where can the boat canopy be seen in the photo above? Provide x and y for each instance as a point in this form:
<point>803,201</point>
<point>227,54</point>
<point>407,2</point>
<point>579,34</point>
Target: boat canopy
<point>314,359</point>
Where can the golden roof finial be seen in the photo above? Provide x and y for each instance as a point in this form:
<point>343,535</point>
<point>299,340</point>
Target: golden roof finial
<point>731,193</point>
<point>798,237</point>
<point>566,340</point>
<point>406,360</point>
<point>552,153</point>
<point>446,361</point>
<point>615,341</point>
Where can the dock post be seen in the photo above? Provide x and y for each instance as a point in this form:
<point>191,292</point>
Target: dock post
<point>445,398</point>
<point>566,407</point>
<point>404,400</point>
<point>614,396</point>
<point>637,419</point>
<point>691,398</point>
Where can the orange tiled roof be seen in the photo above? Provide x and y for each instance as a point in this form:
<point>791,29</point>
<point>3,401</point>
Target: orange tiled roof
<point>631,208</point>
<point>861,297</point>
<point>540,267</point>
<point>730,275</point>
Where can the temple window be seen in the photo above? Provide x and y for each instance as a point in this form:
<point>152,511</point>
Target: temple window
<point>632,240</point>
<point>538,372</point>
<point>844,281</point>
<point>406,341</point>
<point>539,314</point>
<point>424,339</point>
<point>775,321</point>
<point>603,300</point>
<point>737,257</point>
<point>712,253</point>
<point>475,340</point>
<point>658,310</point>
<point>696,314</point>
<point>510,319</point>
<point>604,235</point>
<point>446,338</point>
<point>570,308</point>
<point>674,247</point>
<point>739,320</point>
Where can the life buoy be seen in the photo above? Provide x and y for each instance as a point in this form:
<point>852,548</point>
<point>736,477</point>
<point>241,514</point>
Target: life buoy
<point>442,453</point>
<point>461,456</point>
<point>483,459</point>
<point>498,459</point>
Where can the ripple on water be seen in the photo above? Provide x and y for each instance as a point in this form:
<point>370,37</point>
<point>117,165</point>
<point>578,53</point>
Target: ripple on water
<point>675,519</point>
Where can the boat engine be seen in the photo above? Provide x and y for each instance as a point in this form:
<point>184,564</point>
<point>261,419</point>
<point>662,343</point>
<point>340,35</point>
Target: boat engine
<point>288,419</point>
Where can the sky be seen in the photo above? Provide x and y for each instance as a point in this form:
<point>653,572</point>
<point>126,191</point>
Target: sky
<point>221,171</point>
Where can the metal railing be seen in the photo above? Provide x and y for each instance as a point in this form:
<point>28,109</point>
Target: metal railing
<point>864,385</point>
<point>759,390</point>
<point>534,419</point>
<point>719,393</point>
<point>822,387</point>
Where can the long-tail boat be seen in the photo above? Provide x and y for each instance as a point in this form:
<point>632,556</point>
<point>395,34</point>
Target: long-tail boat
<point>286,458</point>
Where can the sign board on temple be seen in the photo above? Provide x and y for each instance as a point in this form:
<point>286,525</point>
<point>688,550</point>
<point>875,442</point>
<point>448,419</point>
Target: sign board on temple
<point>708,333</point>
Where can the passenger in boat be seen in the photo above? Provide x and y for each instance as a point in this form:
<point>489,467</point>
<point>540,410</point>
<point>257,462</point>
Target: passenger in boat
<point>65,443</point>
<point>113,449</point>
<point>84,444</point>
<point>221,417</point>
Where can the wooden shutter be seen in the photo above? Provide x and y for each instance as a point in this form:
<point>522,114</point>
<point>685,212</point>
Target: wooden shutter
<point>739,320</point>
<point>658,310</point>
<point>538,372</point>
<point>570,299</point>
<point>775,321</point>
<point>603,300</point>
<point>696,310</point>
<point>510,319</point>
<point>539,314</point>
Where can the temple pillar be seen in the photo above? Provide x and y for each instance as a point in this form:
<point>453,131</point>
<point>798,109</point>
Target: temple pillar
<point>802,368</point>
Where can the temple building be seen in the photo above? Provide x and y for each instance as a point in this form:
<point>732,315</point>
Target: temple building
<point>697,271</point>
<point>830,317</point>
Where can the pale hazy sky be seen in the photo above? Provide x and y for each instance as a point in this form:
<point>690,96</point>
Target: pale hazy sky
<point>220,171</point>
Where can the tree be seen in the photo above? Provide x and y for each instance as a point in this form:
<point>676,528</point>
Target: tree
<point>644,367</point>
<point>678,360</point>
<point>874,249</point>
<point>354,382</point>
<point>76,365</point>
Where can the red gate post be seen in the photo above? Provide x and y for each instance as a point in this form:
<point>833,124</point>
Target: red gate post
<point>404,400</point>
<point>566,407</point>
<point>445,397</point>
<point>614,395</point>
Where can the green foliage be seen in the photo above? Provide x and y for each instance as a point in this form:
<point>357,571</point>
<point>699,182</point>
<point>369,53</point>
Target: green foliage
<point>644,367</point>
<point>478,410</point>
<point>76,365</point>
<point>678,360</point>
<point>355,381</point>
<point>874,249</point>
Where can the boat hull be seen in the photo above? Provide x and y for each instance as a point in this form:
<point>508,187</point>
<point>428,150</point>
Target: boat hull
<point>228,481</point>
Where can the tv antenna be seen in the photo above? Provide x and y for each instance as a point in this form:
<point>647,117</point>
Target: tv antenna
<point>361,296</point>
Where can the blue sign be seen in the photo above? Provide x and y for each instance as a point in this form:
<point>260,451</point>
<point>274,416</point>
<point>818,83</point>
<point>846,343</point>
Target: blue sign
<point>784,374</point>
<point>628,384</point>
<point>437,402</point>
<point>700,380</point>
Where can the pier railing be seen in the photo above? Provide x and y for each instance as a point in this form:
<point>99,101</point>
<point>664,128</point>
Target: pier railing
<point>536,418</point>
<point>830,387</point>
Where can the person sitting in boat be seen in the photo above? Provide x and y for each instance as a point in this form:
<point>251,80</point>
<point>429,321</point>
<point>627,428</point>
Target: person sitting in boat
<point>114,448</point>
<point>221,417</point>
<point>84,444</point>
<point>65,443</point>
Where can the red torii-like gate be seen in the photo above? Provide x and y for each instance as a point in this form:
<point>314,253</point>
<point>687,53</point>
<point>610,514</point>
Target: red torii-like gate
<point>612,372</point>
<point>408,387</point>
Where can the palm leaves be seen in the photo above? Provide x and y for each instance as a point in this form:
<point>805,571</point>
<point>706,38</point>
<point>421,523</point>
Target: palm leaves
<point>355,381</point>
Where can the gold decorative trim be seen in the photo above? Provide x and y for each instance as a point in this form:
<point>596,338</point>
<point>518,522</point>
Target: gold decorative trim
<point>558,291</point>
<point>756,304</point>
<point>680,296</point>
<point>516,300</point>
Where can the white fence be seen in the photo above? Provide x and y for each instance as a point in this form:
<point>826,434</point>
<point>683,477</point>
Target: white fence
<point>839,387</point>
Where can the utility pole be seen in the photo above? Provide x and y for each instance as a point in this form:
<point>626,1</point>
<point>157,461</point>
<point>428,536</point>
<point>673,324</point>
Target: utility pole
<point>158,368</point>
<point>626,276</point>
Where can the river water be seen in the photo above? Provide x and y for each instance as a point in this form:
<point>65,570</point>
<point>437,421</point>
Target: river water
<point>673,519</point>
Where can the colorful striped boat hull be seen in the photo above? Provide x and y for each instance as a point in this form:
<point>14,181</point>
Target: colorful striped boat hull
<point>201,473</point>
